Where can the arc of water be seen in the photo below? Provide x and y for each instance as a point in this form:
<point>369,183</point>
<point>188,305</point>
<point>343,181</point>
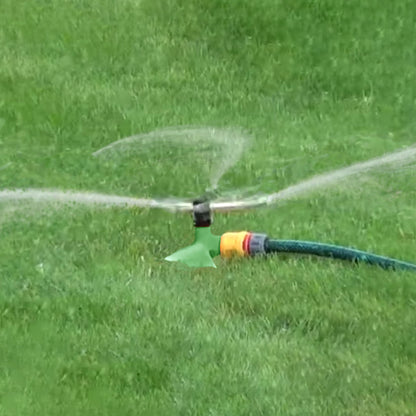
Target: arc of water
<point>233,143</point>
<point>392,161</point>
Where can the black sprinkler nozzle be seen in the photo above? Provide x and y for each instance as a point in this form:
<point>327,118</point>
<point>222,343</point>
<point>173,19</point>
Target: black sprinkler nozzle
<point>202,215</point>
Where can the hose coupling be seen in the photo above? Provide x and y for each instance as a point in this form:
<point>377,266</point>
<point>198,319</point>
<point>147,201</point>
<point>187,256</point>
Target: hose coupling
<point>241,244</point>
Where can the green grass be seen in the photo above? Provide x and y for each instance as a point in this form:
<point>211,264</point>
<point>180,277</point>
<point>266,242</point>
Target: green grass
<point>93,321</point>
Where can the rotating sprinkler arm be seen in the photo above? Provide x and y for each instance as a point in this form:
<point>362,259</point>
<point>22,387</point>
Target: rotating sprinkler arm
<point>206,246</point>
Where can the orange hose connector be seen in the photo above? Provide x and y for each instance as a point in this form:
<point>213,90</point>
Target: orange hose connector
<point>235,244</point>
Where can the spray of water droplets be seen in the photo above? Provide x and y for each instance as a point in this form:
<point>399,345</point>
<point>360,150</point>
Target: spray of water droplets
<point>232,144</point>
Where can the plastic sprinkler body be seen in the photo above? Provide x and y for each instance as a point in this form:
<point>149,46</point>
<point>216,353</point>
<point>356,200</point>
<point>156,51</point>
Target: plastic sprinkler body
<point>206,245</point>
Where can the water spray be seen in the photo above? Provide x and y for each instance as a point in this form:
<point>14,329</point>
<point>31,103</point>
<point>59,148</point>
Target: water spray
<point>207,245</point>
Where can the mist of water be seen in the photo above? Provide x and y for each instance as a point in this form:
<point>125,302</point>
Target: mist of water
<point>392,161</point>
<point>68,197</point>
<point>5,166</point>
<point>222,148</point>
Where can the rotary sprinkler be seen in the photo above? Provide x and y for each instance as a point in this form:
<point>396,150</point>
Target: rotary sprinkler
<point>207,245</point>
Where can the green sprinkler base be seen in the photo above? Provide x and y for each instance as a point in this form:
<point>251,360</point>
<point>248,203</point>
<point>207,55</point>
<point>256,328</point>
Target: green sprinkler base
<point>199,254</point>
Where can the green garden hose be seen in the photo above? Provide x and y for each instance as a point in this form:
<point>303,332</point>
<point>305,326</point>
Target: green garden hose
<point>335,252</point>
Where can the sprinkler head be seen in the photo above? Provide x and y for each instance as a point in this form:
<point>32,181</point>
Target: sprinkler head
<point>206,245</point>
<point>201,213</point>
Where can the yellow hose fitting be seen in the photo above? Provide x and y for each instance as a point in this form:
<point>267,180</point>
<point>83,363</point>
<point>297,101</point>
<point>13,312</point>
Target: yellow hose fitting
<point>234,244</point>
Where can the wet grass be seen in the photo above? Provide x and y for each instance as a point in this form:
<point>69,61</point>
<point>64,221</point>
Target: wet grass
<point>92,321</point>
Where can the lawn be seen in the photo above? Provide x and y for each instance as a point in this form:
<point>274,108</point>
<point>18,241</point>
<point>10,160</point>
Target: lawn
<point>93,321</point>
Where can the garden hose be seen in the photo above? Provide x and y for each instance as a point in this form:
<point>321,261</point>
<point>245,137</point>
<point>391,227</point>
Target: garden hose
<point>335,252</point>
